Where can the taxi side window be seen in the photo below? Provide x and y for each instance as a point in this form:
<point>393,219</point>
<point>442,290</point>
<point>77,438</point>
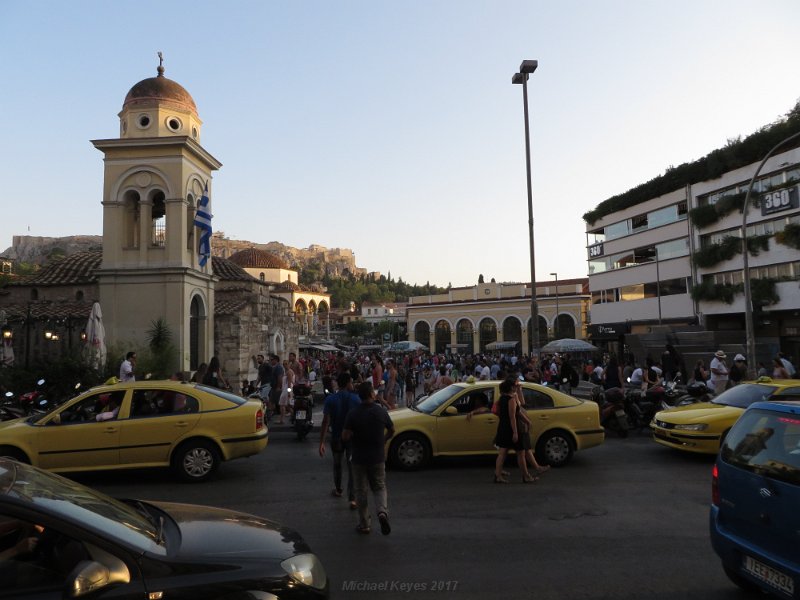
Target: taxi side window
<point>87,409</point>
<point>535,399</point>
<point>155,402</point>
<point>473,400</point>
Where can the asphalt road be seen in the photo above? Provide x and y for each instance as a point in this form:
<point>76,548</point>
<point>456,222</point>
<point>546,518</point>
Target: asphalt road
<point>627,520</point>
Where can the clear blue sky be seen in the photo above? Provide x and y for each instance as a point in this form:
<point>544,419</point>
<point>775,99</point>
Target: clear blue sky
<point>392,128</point>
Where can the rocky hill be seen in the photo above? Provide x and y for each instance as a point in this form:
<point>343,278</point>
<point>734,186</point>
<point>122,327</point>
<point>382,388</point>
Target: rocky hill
<point>335,261</point>
<point>38,250</point>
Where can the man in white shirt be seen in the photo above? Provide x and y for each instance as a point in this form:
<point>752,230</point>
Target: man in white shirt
<point>719,372</point>
<point>126,368</point>
<point>637,377</point>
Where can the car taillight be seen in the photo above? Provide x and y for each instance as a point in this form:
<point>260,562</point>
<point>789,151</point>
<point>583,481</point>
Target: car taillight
<point>259,419</point>
<point>715,486</point>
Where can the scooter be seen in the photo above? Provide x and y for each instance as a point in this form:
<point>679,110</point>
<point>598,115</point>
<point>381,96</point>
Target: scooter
<point>641,406</point>
<point>9,410</point>
<point>30,401</point>
<point>695,392</point>
<point>301,410</point>
<point>612,409</point>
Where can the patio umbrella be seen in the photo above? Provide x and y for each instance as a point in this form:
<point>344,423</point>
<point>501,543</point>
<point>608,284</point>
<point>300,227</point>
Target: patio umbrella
<point>96,337</point>
<point>407,347</point>
<point>569,345</point>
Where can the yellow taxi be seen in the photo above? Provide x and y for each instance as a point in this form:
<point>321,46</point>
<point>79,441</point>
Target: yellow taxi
<point>188,427</point>
<point>441,424</point>
<point>701,427</point>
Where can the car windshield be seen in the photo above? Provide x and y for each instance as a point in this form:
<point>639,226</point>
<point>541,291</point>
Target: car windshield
<point>744,395</point>
<point>70,501</point>
<point>435,400</point>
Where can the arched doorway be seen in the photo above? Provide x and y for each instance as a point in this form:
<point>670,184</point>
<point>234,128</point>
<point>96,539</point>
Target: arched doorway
<point>442,336</point>
<point>564,327</point>
<point>197,321</point>
<point>543,338</point>
<point>464,334</point>
<point>422,333</point>
<point>512,331</point>
<point>488,333</point>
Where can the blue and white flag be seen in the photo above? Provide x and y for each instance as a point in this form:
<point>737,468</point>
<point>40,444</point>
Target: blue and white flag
<point>202,220</point>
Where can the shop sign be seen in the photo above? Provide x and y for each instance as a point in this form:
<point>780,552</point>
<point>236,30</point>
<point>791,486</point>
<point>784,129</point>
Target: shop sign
<point>779,200</point>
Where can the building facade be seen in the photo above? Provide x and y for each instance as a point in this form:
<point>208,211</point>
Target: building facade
<point>670,268</point>
<point>492,316</point>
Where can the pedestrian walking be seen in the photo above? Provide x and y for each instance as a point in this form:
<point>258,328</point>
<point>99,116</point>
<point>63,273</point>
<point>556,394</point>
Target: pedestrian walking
<point>508,432</point>
<point>719,372</point>
<point>368,427</point>
<point>126,368</point>
<point>335,411</point>
<point>213,376</point>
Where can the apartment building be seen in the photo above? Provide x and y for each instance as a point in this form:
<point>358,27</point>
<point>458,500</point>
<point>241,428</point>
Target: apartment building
<point>663,265</point>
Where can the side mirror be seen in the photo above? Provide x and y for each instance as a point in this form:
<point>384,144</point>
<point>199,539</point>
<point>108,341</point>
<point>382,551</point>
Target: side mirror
<point>89,576</point>
<point>451,411</point>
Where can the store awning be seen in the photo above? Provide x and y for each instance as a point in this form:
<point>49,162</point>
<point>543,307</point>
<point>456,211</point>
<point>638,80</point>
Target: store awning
<point>501,345</point>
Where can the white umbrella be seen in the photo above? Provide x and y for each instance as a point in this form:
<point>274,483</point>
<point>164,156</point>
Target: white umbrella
<point>569,345</point>
<point>407,347</point>
<point>96,337</point>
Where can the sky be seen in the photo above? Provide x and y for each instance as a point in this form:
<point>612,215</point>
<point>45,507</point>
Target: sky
<point>392,128</point>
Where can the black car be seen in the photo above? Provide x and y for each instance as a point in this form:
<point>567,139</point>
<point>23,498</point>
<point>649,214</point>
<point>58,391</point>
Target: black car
<point>60,539</point>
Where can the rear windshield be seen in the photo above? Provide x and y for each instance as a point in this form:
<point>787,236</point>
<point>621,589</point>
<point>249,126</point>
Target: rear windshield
<point>238,400</point>
<point>767,443</point>
<point>744,395</point>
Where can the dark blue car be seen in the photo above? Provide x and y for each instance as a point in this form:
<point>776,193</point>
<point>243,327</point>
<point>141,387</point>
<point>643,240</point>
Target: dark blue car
<point>755,510</point>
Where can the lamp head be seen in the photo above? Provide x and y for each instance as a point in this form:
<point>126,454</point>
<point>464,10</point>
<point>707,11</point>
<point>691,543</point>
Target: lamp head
<point>518,78</point>
<point>528,66</point>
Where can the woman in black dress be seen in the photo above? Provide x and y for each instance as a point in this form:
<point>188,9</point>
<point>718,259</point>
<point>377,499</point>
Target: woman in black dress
<point>509,436</point>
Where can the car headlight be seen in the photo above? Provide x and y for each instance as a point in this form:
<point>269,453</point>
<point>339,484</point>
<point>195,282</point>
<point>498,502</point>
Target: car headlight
<point>306,569</point>
<point>692,427</point>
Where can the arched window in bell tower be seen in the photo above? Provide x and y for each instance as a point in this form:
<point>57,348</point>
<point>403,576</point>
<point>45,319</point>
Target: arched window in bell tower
<point>132,211</point>
<point>190,222</point>
<point>159,216</point>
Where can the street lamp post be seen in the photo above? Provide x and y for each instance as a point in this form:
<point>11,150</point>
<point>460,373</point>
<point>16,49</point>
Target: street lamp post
<point>555,321</point>
<point>525,69</point>
<point>748,295</point>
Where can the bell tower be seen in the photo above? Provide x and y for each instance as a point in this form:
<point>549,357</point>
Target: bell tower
<point>154,177</point>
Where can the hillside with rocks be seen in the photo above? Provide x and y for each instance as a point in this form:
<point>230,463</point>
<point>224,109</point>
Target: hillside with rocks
<point>334,262</point>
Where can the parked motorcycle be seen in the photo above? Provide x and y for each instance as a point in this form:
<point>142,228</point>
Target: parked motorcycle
<point>612,409</point>
<point>29,402</point>
<point>695,392</point>
<point>641,406</point>
<point>301,410</point>
<point>9,409</point>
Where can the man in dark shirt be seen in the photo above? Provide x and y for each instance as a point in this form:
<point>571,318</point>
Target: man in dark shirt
<point>335,412</point>
<point>264,377</point>
<point>368,427</point>
<point>275,381</point>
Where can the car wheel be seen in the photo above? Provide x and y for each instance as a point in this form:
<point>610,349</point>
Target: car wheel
<point>410,451</point>
<point>195,461</point>
<point>14,453</point>
<point>555,448</point>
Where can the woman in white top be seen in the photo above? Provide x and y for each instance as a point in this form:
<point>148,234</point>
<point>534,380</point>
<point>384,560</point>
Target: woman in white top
<point>288,383</point>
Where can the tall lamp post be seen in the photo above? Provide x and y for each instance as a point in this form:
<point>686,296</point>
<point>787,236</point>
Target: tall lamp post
<point>555,321</point>
<point>748,294</point>
<point>525,69</point>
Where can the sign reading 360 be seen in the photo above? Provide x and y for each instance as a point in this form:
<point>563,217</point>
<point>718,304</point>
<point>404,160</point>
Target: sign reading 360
<point>779,200</point>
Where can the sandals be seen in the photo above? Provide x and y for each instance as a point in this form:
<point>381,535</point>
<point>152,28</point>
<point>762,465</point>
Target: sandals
<point>543,469</point>
<point>353,505</point>
<point>500,479</point>
<point>363,529</point>
<point>336,493</point>
<point>529,478</point>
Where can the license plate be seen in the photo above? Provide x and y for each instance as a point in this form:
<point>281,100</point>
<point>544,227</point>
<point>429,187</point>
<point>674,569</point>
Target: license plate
<point>772,577</point>
<point>301,414</point>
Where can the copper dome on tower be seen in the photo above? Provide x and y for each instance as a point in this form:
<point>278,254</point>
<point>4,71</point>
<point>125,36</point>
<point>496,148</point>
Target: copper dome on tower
<point>253,258</point>
<point>157,91</point>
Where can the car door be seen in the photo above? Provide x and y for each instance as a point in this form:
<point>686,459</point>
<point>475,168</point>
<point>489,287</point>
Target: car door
<point>158,418</point>
<point>457,434</point>
<point>73,437</point>
<point>538,405</point>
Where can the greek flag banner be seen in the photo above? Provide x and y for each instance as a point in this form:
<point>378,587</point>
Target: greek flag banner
<point>202,220</point>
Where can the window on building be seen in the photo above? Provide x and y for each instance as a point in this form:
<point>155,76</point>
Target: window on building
<point>159,220</point>
<point>673,249</point>
<point>639,222</point>
<point>617,230</point>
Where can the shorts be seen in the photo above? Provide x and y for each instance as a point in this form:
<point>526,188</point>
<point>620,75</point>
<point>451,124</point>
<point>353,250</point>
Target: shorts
<point>264,391</point>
